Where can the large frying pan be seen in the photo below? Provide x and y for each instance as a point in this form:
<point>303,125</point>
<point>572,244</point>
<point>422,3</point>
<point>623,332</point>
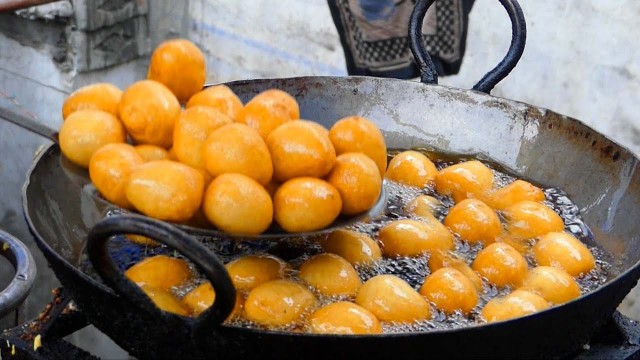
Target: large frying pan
<point>537,144</point>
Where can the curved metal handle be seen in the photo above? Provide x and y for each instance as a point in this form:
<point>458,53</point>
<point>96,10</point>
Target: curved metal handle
<point>205,260</point>
<point>22,260</point>
<point>428,71</point>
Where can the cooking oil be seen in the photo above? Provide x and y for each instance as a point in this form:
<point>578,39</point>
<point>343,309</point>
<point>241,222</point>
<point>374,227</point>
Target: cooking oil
<point>411,269</point>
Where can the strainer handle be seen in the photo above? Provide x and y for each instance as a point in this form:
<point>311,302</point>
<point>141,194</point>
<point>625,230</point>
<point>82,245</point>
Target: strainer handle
<point>203,258</point>
<point>428,73</point>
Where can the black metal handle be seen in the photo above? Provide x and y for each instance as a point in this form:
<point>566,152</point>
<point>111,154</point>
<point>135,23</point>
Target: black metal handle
<point>203,258</point>
<point>428,73</point>
<point>25,273</point>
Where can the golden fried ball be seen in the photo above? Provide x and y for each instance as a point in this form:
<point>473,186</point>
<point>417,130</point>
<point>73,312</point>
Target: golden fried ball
<point>529,219</point>
<point>518,303</point>
<point>357,179</point>
<point>469,179</point>
<point>191,131</point>
<point>249,271</point>
<point>564,251</point>
<point>306,204</point>
<point>203,296</point>
<point>86,131</point>
<point>414,238</point>
<point>300,148</point>
<point>237,148</point>
<point>501,265</point>
<point>450,291</point>
<point>330,275</point>
<point>152,152</point>
<point>359,134</point>
<point>424,206</point>
<point>165,300</point>
<point>411,168</point>
<point>553,284</point>
<point>344,318</point>
<point>520,244</point>
<point>390,298</point>
<point>514,193</point>
<point>141,240</point>
<point>110,169</point>
<point>165,190</point>
<point>98,96</point>
<point>219,97</point>
<point>357,248</point>
<point>474,221</point>
<point>269,110</point>
<point>160,271</point>
<point>149,112</point>
<point>180,65</point>
<point>238,204</point>
<point>279,303</point>
<point>441,259</point>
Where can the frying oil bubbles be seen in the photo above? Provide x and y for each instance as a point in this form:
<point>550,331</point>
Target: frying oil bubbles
<point>413,270</point>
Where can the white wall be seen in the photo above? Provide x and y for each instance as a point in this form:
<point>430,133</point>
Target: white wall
<point>581,57</point>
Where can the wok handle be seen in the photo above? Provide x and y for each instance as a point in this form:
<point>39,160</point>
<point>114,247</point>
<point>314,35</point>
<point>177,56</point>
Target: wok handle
<point>203,258</point>
<point>428,73</point>
<point>25,273</point>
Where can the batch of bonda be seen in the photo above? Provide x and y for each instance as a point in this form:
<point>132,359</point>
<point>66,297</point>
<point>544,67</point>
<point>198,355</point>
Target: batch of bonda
<point>326,294</point>
<point>241,166</point>
<point>218,161</point>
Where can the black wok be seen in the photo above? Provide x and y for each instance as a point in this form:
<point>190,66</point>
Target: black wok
<point>534,143</point>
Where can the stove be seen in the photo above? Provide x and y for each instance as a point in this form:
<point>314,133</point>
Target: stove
<point>43,338</point>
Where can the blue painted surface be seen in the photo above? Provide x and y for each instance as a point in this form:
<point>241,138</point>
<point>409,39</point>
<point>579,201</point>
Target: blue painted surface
<point>323,68</point>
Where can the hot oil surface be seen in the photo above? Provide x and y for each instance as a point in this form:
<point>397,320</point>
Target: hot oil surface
<point>413,270</point>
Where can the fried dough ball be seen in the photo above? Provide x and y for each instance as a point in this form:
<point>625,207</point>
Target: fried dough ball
<point>359,134</point>
<point>501,265</point>
<point>237,148</point>
<point>518,303</point>
<point>529,219</point>
<point>202,297</point>
<point>522,245</point>
<point>249,271</point>
<point>330,275</point>
<point>86,131</point>
<point>390,298</point>
<point>141,240</point>
<point>165,300</point>
<point>99,96</point>
<point>219,97</point>
<point>300,148</point>
<point>357,179</point>
<point>191,131</point>
<point>278,303</point>
<point>149,112</point>
<point>441,259</point>
<point>110,169</point>
<point>564,251</point>
<point>424,206</point>
<point>306,204</point>
<point>414,238</point>
<point>450,290</point>
<point>160,271</point>
<point>165,190</point>
<point>474,221</point>
<point>238,204</point>
<point>180,66</point>
<point>514,193</point>
<point>344,318</point>
<point>269,110</point>
<point>554,285</point>
<point>469,179</point>
<point>357,248</point>
<point>411,168</point>
<point>152,152</point>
